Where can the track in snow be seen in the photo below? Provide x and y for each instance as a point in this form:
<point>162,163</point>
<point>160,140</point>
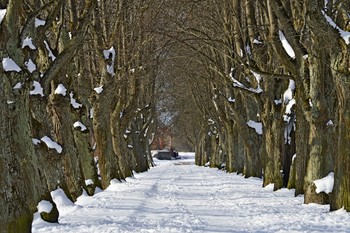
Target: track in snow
<point>177,196</point>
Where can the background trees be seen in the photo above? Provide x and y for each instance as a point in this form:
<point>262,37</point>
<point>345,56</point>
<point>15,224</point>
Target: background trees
<point>267,89</point>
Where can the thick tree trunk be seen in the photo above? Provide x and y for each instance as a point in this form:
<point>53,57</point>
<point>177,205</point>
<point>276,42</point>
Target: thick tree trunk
<point>341,191</point>
<point>20,180</point>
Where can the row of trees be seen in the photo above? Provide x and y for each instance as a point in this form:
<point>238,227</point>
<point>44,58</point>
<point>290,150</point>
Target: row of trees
<point>270,83</point>
<point>77,90</point>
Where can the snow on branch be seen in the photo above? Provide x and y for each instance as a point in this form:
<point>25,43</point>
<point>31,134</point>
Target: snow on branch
<point>287,47</point>
<point>73,101</point>
<point>31,67</point>
<point>38,90</point>
<point>10,65</point>
<point>51,55</point>
<point>39,22</point>
<point>2,14</point>
<point>256,125</point>
<point>28,42</point>
<point>61,90</point>
<point>110,54</point>
<point>51,144</point>
<point>343,34</point>
<point>80,125</point>
<point>238,84</point>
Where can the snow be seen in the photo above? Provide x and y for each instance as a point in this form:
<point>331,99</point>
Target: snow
<point>289,106</point>
<point>78,124</point>
<point>61,90</point>
<point>330,122</point>
<point>36,141</point>
<point>325,184</point>
<point>10,65</point>
<point>343,34</point>
<point>256,41</point>
<point>98,90</point>
<point>44,206</point>
<point>64,205</point>
<point>51,55</point>
<point>31,67</point>
<point>39,22</point>
<point>89,182</point>
<point>255,125</point>
<point>288,94</point>
<point>38,90</point>
<point>238,84</point>
<point>28,42</point>
<point>17,86</point>
<point>278,102</point>
<point>231,100</point>
<point>287,47</point>
<point>2,14</point>
<point>177,196</point>
<point>51,144</point>
<point>73,101</point>
<point>257,76</point>
<point>110,53</point>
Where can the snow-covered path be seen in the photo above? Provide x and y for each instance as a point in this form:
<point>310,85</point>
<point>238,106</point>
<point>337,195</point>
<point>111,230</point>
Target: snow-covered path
<point>177,196</point>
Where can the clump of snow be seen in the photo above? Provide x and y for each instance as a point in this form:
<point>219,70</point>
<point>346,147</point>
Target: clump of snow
<point>278,102</point>
<point>10,65</point>
<point>325,184</point>
<point>61,90</point>
<point>89,182</point>
<point>257,76</point>
<point>2,14</point>
<point>330,122</point>
<point>35,141</point>
<point>269,187</point>
<point>110,54</point>
<point>78,124</point>
<point>98,89</point>
<point>343,34</point>
<point>238,84</point>
<point>17,86</point>
<point>287,47</point>
<point>28,42</point>
<point>294,157</point>
<point>255,125</point>
<point>31,67</point>
<point>44,206</point>
<point>51,144</point>
<point>51,55</point>
<point>64,205</point>
<point>288,94</point>
<point>39,22</point>
<point>73,101</point>
<point>289,106</point>
<point>256,41</point>
<point>231,100</point>
<point>38,90</point>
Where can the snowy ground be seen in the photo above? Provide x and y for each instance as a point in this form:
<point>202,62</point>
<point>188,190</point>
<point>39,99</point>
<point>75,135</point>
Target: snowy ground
<point>177,196</point>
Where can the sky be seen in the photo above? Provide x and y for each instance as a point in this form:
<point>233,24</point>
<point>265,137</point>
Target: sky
<point>177,196</point>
